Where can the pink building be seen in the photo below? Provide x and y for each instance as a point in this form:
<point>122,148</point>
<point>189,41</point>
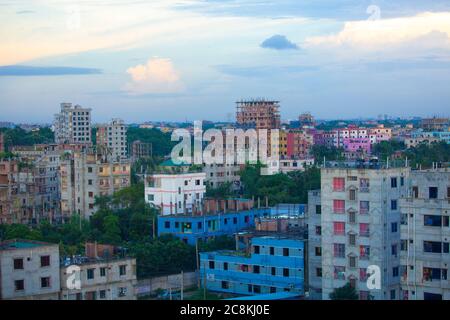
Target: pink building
<point>357,145</point>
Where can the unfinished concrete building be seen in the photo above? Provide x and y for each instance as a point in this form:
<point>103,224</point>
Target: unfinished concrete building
<point>113,137</point>
<point>258,114</point>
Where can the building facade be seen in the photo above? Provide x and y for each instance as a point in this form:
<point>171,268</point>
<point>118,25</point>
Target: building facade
<point>258,114</point>
<point>175,193</point>
<point>113,137</point>
<point>73,125</point>
<point>29,270</point>
<point>425,236</point>
<point>313,218</point>
<point>274,264</point>
<point>360,227</point>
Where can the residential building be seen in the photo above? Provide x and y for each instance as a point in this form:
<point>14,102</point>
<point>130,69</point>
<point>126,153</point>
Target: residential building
<point>2,142</point>
<point>258,114</point>
<point>299,143</point>
<point>313,218</point>
<point>425,236</point>
<point>180,193</point>
<point>435,124</point>
<point>219,174</point>
<point>113,137</point>
<point>85,175</point>
<point>275,263</point>
<point>140,150</point>
<point>306,120</point>
<point>104,274</point>
<point>29,270</point>
<point>9,188</point>
<point>288,165</point>
<point>73,125</point>
<point>360,219</point>
<point>216,218</point>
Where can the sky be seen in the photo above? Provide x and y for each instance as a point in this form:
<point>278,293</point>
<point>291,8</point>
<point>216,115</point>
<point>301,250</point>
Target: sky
<point>177,60</point>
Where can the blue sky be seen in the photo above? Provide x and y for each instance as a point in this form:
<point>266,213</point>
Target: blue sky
<point>189,59</point>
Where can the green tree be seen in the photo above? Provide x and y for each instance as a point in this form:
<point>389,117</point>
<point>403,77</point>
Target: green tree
<point>346,292</point>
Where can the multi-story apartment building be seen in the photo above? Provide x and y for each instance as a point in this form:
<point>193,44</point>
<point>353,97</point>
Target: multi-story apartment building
<point>29,270</point>
<point>85,175</point>
<point>216,218</point>
<point>2,142</point>
<point>180,193</point>
<point>425,236</point>
<point>313,219</point>
<point>299,143</point>
<point>435,124</point>
<point>113,137</point>
<point>139,150</point>
<point>274,264</point>
<point>218,174</point>
<point>73,124</point>
<point>9,188</point>
<point>360,227</point>
<point>102,274</point>
<point>258,114</point>
<point>288,165</point>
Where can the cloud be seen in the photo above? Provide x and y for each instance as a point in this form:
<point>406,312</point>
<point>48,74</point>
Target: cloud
<point>25,11</point>
<point>264,71</point>
<point>20,70</point>
<point>369,35</point>
<point>157,76</point>
<point>278,42</point>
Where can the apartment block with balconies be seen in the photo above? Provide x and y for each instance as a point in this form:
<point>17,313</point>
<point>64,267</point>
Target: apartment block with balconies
<point>425,236</point>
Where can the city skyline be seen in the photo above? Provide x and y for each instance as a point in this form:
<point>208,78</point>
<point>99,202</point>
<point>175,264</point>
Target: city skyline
<point>197,58</point>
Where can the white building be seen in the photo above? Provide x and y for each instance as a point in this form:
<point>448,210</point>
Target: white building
<point>287,165</point>
<point>218,174</point>
<point>113,136</point>
<point>313,217</point>
<point>425,236</point>
<point>360,227</point>
<point>29,270</point>
<point>175,193</point>
<point>73,124</point>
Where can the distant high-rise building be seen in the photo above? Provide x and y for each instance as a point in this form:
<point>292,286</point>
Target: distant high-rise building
<point>306,120</point>
<point>435,124</point>
<point>258,114</point>
<point>2,142</point>
<point>73,124</point>
<point>113,137</point>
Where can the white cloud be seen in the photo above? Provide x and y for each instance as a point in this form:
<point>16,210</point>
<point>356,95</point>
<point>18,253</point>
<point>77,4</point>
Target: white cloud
<point>386,35</point>
<point>158,75</point>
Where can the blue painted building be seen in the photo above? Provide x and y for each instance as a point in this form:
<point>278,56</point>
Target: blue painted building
<point>189,228</point>
<point>275,264</point>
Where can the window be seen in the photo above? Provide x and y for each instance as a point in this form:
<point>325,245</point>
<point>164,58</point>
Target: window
<point>318,209</point>
<point>364,207</point>
<point>338,184</point>
<point>352,239</point>
<point>338,206</point>
<point>273,271</point>
<point>392,294</point>
<point>394,250</point>
<point>256,249</point>
<point>393,205</point>
<point>339,273</point>
<point>394,227</point>
<point>364,229</point>
<point>415,191</point>
<point>363,274</point>
<point>102,294</point>
<point>364,252</point>
<point>286,252</point>
<point>395,272</point>
<point>197,182</point>
<point>432,247</point>
<point>256,269</point>
<point>45,261</point>
<point>90,273</point>
<point>225,266</point>
<point>352,262</point>
<point>402,181</point>
<point>364,185</point>
<point>103,272</point>
<point>225,285</point>
<point>167,224</point>
<point>285,272</point>
<point>352,195</point>
<point>123,269</point>
<point>339,228</point>
<point>318,230</point>
<point>256,289</point>
<point>339,250</point>
<point>211,265</point>
<point>122,292</point>
<point>19,285</point>
<point>352,217</point>
<point>151,197</point>
<point>318,251</point>
<point>394,182</point>
<point>91,194</point>
<point>319,272</point>
<point>18,264</point>
<point>273,290</point>
<point>433,192</point>
<point>45,282</point>
<point>272,251</point>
